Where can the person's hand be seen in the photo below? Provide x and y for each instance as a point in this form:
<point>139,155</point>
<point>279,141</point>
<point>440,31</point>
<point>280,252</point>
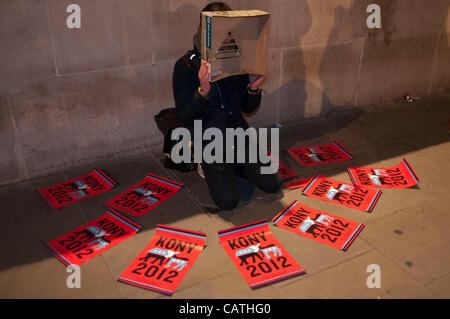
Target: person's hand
<point>203,76</point>
<point>255,81</point>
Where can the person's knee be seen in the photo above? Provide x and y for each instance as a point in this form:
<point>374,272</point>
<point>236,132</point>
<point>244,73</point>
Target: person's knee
<point>272,188</point>
<point>227,202</point>
<point>271,184</point>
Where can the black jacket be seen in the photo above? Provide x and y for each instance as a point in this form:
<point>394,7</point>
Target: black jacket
<point>228,98</point>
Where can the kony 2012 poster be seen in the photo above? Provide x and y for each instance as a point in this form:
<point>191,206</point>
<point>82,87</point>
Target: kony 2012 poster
<point>164,262</point>
<point>320,154</point>
<point>76,189</point>
<point>144,196</point>
<point>398,176</point>
<point>340,193</point>
<point>285,172</point>
<point>328,229</point>
<point>296,183</point>
<point>93,238</point>
<point>289,177</point>
<point>258,256</point>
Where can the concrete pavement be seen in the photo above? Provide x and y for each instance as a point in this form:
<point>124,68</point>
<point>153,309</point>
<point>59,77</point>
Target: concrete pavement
<point>406,234</point>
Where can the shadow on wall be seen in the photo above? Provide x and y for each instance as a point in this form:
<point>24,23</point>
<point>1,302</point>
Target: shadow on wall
<point>337,99</point>
<point>290,97</point>
<point>363,66</point>
<point>285,90</point>
<point>342,67</point>
<point>113,77</point>
<point>291,89</point>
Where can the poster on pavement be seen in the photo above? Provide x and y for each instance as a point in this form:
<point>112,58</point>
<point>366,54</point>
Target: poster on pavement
<point>258,255</point>
<point>320,154</point>
<point>290,178</point>
<point>328,229</point>
<point>93,238</point>
<point>141,198</point>
<point>166,259</point>
<point>337,192</point>
<point>76,189</point>
<point>399,176</point>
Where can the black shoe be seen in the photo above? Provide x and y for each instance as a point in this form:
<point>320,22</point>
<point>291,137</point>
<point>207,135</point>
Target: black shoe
<point>181,167</point>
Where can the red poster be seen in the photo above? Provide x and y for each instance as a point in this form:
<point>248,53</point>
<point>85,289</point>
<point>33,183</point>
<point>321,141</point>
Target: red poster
<point>93,238</point>
<point>144,196</point>
<point>289,177</point>
<point>296,183</point>
<point>165,260</point>
<point>398,176</point>
<point>321,154</point>
<point>284,171</point>
<point>78,188</point>
<point>323,227</point>
<point>333,191</point>
<point>258,256</point>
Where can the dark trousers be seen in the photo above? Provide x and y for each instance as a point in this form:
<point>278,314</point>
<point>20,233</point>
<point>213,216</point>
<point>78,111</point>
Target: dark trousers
<point>223,183</point>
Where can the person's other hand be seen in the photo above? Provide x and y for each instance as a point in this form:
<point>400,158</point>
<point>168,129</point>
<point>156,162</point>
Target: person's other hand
<point>255,81</point>
<point>203,76</point>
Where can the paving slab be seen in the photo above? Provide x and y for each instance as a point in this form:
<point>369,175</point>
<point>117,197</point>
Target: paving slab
<point>406,234</point>
<point>349,280</point>
<point>312,255</point>
<point>47,277</point>
<point>227,286</point>
<point>196,186</point>
<point>355,134</point>
<point>429,167</point>
<point>190,217</point>
<point>441,286</point>
<point>28,221</point>
<point>384,206</point>
<point>416,239</point>
<point>418,123</point>
<point>210,264</point>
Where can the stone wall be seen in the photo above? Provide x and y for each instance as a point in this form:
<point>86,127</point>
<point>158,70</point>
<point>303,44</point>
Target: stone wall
<point>75,96</point>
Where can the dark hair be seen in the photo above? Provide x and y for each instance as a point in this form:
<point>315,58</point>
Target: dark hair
<point>216,6</point>
<point>213,6</point>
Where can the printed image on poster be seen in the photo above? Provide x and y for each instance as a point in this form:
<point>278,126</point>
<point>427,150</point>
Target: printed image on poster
<point>76,189</point>
<point>93,238</point>
<point>337,192</point>
<point>320,154</point>
<point>164,262</point>
<point>331,230</point>
<point>144,196</point>
<point>258,256</point>
<point>398,176</point>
